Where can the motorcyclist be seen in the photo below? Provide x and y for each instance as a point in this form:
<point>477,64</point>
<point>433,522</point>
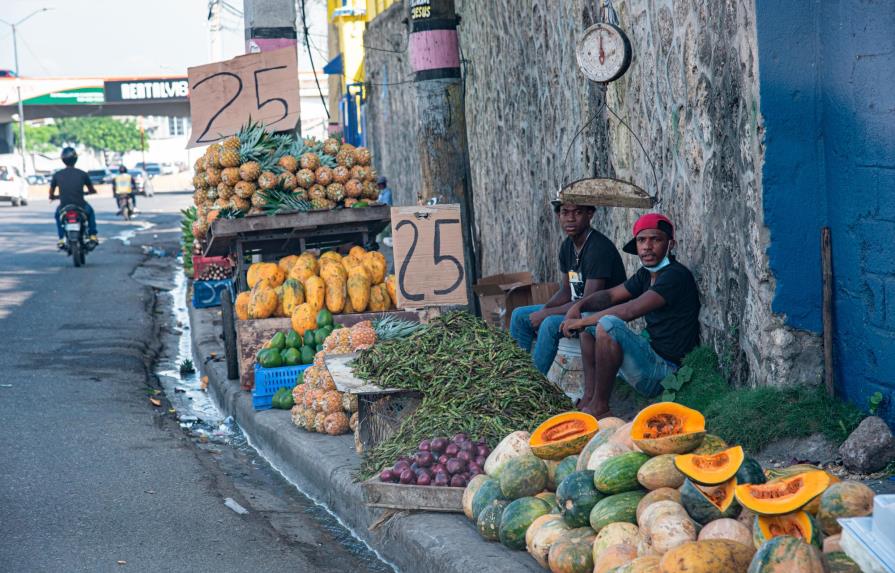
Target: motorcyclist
<point>124,184</point>
<point>71,182</point>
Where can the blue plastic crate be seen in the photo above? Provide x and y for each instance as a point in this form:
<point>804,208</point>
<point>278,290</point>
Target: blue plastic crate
<point>207,294</point>
<point>269,380</point>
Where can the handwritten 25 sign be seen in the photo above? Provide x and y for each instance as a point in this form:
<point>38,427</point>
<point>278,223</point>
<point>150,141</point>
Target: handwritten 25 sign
<point>224,95</point>
<point>428,249</point>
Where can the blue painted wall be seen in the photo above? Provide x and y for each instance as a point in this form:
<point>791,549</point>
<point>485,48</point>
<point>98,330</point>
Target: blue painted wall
<point>827,84</point>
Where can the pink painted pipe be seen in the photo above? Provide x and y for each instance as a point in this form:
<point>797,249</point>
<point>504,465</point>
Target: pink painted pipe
<point>434,50</point>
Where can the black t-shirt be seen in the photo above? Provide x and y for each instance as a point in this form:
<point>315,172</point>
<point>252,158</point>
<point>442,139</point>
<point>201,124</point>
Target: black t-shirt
<point>71,182</point>
<point>599,259</point>
<point>674,328</point>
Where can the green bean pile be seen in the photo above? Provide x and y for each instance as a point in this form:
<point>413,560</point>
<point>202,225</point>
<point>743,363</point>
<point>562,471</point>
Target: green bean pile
<point>474,379</point>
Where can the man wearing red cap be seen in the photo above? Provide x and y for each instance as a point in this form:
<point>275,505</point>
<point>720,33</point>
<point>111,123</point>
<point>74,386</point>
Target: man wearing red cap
<point>664,293</point>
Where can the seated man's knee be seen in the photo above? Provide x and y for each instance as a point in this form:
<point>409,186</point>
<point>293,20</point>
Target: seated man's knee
<point>550,325</point>
<point>607,324</point>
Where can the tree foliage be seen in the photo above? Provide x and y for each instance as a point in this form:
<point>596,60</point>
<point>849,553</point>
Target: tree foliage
<point>97,133</point>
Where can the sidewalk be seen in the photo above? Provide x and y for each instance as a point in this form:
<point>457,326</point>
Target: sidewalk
<point>322,466</point>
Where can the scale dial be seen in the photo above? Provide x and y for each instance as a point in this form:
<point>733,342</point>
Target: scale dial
<point>604,52</point>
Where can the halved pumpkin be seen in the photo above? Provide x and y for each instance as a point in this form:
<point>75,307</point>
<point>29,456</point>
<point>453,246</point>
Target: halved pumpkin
<point>798,524</point>
<point>789,471</point>
<point>711,469</point>
<point>668,428</point>
<point>783,495</point>
<point>563,435</point>
<point>705,503</point>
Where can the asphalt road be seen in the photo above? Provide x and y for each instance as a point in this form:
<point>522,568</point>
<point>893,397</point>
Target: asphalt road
<point>92,476</point>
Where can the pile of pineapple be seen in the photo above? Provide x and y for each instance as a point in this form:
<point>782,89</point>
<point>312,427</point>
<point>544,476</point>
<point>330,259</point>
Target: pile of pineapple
<point>256,172</point>
<point>319,406</point>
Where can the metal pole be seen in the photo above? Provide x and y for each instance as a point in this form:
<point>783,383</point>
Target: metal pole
<point>15,51</point>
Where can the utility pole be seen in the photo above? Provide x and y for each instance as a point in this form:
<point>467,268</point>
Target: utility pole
<point>444,155</point>
<point>15,51</point>
<point>215,25</point>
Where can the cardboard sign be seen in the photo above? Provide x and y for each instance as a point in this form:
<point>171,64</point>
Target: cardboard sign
<point>224,95</point>
<point>428,248</point>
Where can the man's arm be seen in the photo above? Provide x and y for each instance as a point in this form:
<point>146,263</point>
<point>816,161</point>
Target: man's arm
<point>606,301</point>
<point>89,183</point>
<point>627,311</point>
<point>53,185</point>
<point>560,297</point>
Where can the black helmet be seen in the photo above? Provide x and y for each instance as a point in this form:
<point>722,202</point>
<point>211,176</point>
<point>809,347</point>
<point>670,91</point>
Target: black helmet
<point>69,156</point>
<point>122,169</point>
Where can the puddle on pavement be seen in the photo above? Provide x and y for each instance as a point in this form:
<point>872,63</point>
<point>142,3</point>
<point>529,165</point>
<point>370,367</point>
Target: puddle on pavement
<point>128,234</point>
<point>220,435</point>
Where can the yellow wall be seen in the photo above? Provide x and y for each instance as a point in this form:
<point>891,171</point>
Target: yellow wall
<point>351,21</point>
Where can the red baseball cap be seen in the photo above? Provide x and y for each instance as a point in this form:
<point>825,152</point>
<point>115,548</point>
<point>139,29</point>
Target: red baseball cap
<point>649,221</point>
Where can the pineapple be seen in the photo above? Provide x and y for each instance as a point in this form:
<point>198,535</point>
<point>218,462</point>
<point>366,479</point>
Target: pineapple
<point>199,197</point>
<point>311,142</point>
<point>309,161</point>
<point>213,156</point>
<point>230,176</point>
<point>348,203</point>
<point>345,158</point>
<point>372,176</point>
<point>245,189</point>
<point>240,204</point>
<point>322,204</point>
<point>199,165</point>
<point>267,180</point>
<point>301,195</point>
<point>201,227</point>
<point>225,191</point>
<point>287,181</point>
<point>370,191</point>
<point>362,156</point>
<point>288,163</point>
<point>341,174</point>
<point>324,175</point>
<point>305,178</point>
<point>331,146</point>
<point>222,203</point>
<point>317,192</point>
<point>359,172</point>
<point>363,335</point>
<point>231,142</point>
<point>212,193</point>
<point>213,176</point>
<point>229,157</point>
<point>354,188</point>
<point>335,192</point>
<point>199,181</point>
<point>250,171</point>
<point>259,200</point>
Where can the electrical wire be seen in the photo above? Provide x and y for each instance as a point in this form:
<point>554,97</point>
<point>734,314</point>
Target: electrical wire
<point>304,25</point>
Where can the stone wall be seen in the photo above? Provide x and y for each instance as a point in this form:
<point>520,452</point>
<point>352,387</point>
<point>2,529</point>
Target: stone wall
<point>690,96</point>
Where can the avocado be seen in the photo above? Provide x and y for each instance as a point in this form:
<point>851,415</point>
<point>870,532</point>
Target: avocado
<point>307,355</point>
<point>278,341</point>
<point>320,337</point>
<point>319,348</point>
<point>324,318</point>
<point>310,338</point>
<point>270,358</point>
<point>292,356</point>
<point>293,340</point>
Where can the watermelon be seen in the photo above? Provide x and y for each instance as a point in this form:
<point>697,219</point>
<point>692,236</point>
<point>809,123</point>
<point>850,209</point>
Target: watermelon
<point>550,498</point>
<point>576,496</point>
<point>523,477</point>
<point>517,517</point>
<point>488,522</point>
<point>695,500</point>
<point>621,507</point>
<point>750,472</point>
<point>843,499</point>
<point>487,492</point>
<point>598,440</point>
<point>619,474</point>
<point>840,562</point>
<point>469,493</point>
<point>566,466</point>
<point>787,554</point>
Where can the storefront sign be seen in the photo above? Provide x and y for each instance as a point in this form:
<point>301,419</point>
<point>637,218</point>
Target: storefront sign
<point>75,96</point>
<point>146,90</point>
<point>225,95</point>
<point>428,249</point>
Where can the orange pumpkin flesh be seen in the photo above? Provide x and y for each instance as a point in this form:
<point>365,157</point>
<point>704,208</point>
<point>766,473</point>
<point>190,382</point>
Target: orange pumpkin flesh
<point>563,435</point>
<point>797,524</point>
<point>711,469</point>
<point>783,495</point>
<point>668,428</point>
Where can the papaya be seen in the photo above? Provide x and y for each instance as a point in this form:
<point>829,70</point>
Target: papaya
<point>391,286</point>
<point>329,268</point>
<point>379,300</point>
<point>263,301</point>
<point>286,263</point>
<point>357,251</point>
<point>279,311</point>
<point>304,319</point>
<point>374,262</point>
<point>315,290</point>
<point>305,266</point>
<point>335,293</point>
<point>269,271</point>
<point>242,305</point>
<point>352,262</point>
<point>330,256</point>
<point>293,295</point>
<point>359,288</point>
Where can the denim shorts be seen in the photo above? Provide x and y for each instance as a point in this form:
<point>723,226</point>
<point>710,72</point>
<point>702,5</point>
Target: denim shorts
<point>641,367</point>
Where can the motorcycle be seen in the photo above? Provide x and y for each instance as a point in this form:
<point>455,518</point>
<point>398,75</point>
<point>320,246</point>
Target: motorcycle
<point>74,221</point>
<point>124,206</point>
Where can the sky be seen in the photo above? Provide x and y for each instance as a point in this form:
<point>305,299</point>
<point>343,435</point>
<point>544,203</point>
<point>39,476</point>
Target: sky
<point>121,37</point>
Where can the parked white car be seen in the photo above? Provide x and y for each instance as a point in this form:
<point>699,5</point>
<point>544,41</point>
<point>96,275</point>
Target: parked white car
<point>13,186</point>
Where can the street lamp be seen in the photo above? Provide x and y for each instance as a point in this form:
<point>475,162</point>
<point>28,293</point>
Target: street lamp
<point>15,51</point>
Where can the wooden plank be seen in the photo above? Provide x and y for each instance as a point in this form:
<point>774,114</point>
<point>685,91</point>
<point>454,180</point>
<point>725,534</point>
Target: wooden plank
<point>826,255</point>
<point>309,220</point>
<point>413,497</point>
<point>607,192</point>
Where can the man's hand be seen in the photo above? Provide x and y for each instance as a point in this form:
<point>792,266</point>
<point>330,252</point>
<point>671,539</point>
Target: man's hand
<point>536,318</point>
<point>574,311</point>
<point>572,326</point>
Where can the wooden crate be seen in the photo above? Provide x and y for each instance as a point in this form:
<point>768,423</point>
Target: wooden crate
<point>412,497</point>
<point>380,414</point>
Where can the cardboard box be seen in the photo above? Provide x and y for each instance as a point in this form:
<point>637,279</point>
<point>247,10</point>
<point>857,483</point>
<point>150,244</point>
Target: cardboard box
<point>500,294</point>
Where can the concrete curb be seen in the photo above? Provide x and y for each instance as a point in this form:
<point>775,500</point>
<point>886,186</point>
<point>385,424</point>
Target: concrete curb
<point>322,466</point>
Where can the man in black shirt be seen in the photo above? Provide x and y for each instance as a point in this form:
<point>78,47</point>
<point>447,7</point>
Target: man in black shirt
<point>589,262</point>
<point>664,292</point>
<point>71,182</point>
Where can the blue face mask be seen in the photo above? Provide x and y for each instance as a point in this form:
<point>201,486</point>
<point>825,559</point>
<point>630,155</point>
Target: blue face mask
<point>664,263</point>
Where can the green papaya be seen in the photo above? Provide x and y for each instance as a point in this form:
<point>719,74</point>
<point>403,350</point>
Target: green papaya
<point>292,357</point>
<point>293,340</point>
<point>278,341</point>
<point>307,355</point>
<point>324,317</point>
<point>270,358</point>
<point>310,338</point>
